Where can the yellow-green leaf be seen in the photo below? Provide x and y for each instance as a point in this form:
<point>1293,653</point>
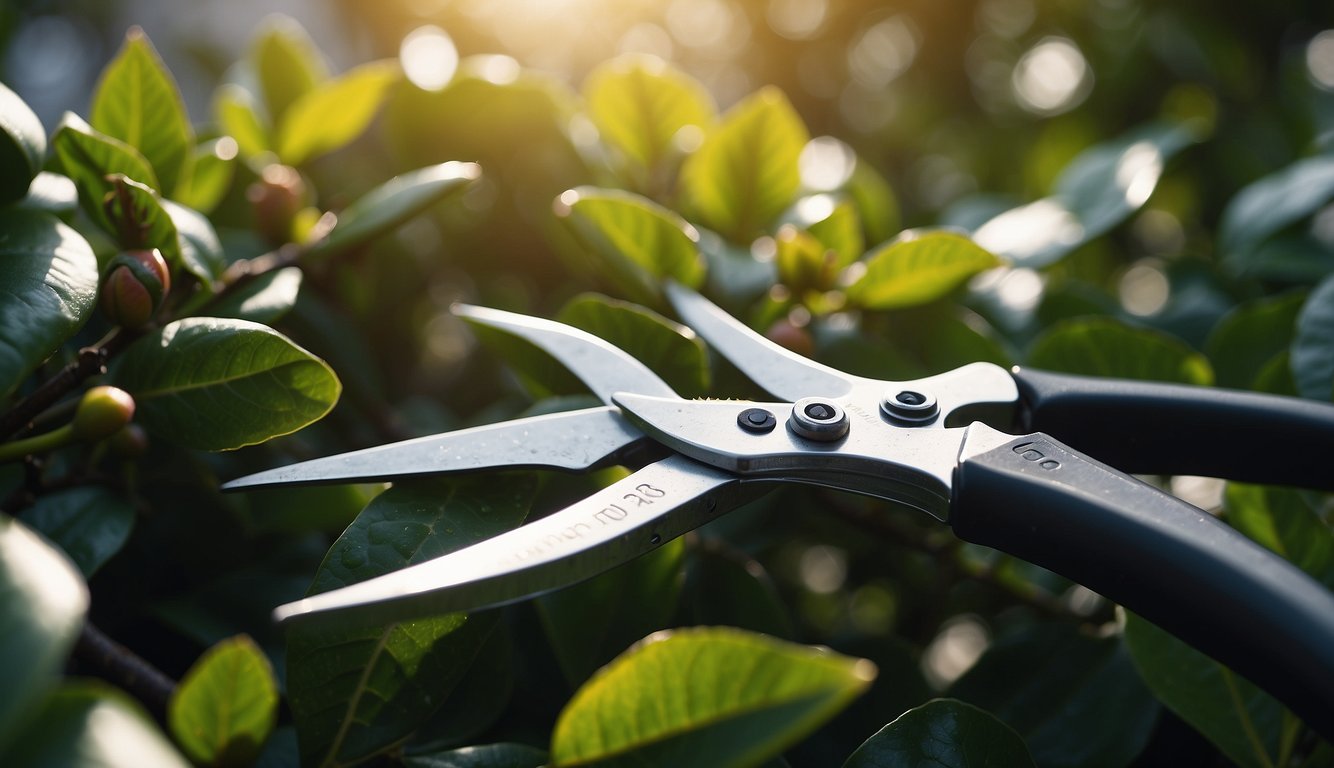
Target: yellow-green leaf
<point>88,157</point>
<point>1101,346</point>
<point>225,707</point>
<point>334,113</point>
<point>236,112</point>
<point>918,268</point>
<point>212,166</point>
<point>704,697</point>
<point>286,64</point>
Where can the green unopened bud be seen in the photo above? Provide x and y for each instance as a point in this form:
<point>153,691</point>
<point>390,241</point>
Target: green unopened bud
<point>102,412</point>
<point>135,285</point>
<point>276,200</point>
<point>129,442</point>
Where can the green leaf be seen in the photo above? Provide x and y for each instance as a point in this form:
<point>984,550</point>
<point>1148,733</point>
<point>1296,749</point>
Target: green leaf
<point>918,268</point>
<point>137,101</point>
<point>90,523</point>
<point>52,193</point>
<point>43,608</point>
<point>877,205</point>
<point>226,706</point>
<point>640,104</point>
<point>89,723</point>
<point>200,249</point>
<point>482,756</point>
<point>635,242</point>
<point>334,113</point>
<point>944,733</point>
<point>1073,697</point>
<point>1101,346</point>
<point>212,166</point>
<point>139,219</point>
<point>89,157</point>
<point>1097,191</point>
<point>22,145</point>
<point>1313,349</point>
<point>1272,204</point>
<point>48,288</point>
<point>237,113</point>
<point>727,587</point>
<point>1237,717</point>
<point>286,63</point>
<point>704,697</point>
<point>262,300</point>
<point>672,351</point>
<point>389,205</point>
<point>219,384</point>
<point>1282,520</point>
<point>642,595</point>
<point>478,701</point>
<point>840,232</point>
<point>355,691</point>
<point>745,174</point>
<point>1250,335</point>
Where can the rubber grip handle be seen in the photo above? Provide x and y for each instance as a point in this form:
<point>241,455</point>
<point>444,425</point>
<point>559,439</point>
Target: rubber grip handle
<point>1166,560</point>
<point>1175,429</point>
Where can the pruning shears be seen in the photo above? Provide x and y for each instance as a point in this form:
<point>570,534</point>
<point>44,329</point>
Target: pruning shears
<point>926,444</point>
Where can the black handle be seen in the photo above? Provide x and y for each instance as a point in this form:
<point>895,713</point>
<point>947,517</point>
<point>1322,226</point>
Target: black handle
<point>1175,429</point>
<point>1166,560</point>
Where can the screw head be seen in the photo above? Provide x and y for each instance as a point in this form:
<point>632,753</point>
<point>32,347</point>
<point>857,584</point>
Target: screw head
<point>816,418</point>
<point>910,408</point>
<point>756,420</point>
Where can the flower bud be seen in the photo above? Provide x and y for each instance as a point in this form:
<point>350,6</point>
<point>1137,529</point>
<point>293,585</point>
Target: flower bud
<point>129,442</point>
<point>787,334</point>
<point>275,201</point>
<point>135,284</point>
<point>102,412</point>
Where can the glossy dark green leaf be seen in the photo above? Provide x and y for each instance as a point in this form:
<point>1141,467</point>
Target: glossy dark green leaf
<point>356,691</point>
<point>745,173</point>
<point>49,274</point>
<point>22,145</point>
<point>1101,346</point>
<point>640,104</point>
<point>633,241</point>
<point>237,113</point>
<point>1250,335</point>
<point>671,350</point>
<point>201,251</point>
<point>1074,698</point>
<point>917,268</point>
<point>642,595</point>
<point>1241,720</point>
<point>218,384</point>
<point>90,523</point>
<point>300,509</point>
<point>1271,204</point>
<point>727,587</point>
<point>137,101</point>
<point>333,113</point>
<point>482,756</point>
<point>92,724</point>
<point>262,300</point>
<point>389,205</point>
<point>1097,191</point>
<point>226,705</point>
<point>1283,520</point>
<point>212,166</point>
<point>1313,348</point>
<point>286,63</point>
<point>944,733</point>
<point>43,609</point>
<point>89,157</point>
<point>674,699</point>
<point>478,701</point>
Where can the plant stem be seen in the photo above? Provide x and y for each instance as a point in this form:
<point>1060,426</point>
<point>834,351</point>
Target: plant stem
<point>90,362</point>
<point>47,441</point>
<point>127,670</point>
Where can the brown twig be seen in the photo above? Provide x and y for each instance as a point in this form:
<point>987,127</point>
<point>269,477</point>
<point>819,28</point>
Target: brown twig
<point>91,361</point>
<point>124,668</point>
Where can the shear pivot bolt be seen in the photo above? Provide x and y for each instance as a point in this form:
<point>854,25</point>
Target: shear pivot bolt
<point>756,420</point>
<point>818,419</point>
<point>909,408</point>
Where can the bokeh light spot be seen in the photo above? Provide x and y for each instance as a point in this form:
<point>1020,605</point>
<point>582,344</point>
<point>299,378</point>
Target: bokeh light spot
<point>1320,59</point>
<point>1052,77</point>
<point>883,51</point>
<point>797,19</point>
<point>826,164</point>
<point>429,57</point>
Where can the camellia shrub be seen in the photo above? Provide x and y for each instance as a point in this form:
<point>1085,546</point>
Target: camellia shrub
<point>186,301</point>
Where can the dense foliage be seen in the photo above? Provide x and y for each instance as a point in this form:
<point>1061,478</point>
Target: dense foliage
<point>184,303</point>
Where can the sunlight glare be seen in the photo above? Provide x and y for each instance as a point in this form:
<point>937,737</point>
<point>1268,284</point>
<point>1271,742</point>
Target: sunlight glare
<point>1320,59</point>
<point>826,164</point>
<point>429,57</point>
<point>1052,77</point>
<point>1138,171</point>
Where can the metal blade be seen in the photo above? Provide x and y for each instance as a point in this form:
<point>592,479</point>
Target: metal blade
<point>624,520</point>
<point>575,440</point>
<point>782,372</point>
<point>602,367</point>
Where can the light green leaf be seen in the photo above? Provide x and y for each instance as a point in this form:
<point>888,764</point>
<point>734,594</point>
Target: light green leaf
<point>90,523</point>
<point>389,205</point>
<point>212,166</point>
<point>804,263</point>
<point>632,240</point>
<point>137,101</point>
<point>1101,346</point>
<point>90,723</point>
<point>89,157</point>
<point>672,351</point>
<point>1313,348</point>
<point>200,249</point>
<point>1240,719</point>
<point>745,173</point>
<point>483,756</point>
<point>918,268</point>
<point>22,145</point>
<point>356,691</point>
<point>1250,335</point>
<point>1271,204</point>
<point>286,63</point>
<point>262,300</point>
<point>48,288</point>
<point>877,205</point>
<point>334,113</point>
<point>237,113</point>
<point>225,707</point>
<point>704,697</point>
<point>841,232</point>
<point>640,104</point>
<point>139,220</point>
<point>943,733</point>
<point>40,616</point>
<point>1282,520</point>
<point>219,384</point>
